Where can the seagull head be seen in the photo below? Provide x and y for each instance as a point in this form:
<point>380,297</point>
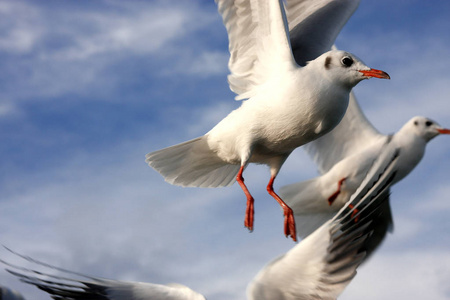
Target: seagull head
<point>426,128</point>
<point>346,68</point>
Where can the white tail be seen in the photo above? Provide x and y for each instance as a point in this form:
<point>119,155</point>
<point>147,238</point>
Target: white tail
<point>192,164</point>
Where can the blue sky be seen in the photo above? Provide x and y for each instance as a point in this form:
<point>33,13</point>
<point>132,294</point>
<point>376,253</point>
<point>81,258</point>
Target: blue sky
<point>87,88</point>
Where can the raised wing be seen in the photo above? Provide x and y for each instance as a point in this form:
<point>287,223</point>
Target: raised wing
<point>350,136</point>
<point>258,43</point>
<point>315,24</point>
<point>69,288</point>
<point>324,263</point>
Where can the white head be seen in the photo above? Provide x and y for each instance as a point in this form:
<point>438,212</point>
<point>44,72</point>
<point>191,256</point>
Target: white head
<point>425,128</point>
<point>345,68</point>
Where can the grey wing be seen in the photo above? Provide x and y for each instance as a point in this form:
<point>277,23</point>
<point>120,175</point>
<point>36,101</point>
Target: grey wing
<point>325,262</point>
<point>370,203</point>
<point>380,227</point>
<point>350,136</point>
<point>360,226</point>
<point>93,288</point>
<point>315,24</point>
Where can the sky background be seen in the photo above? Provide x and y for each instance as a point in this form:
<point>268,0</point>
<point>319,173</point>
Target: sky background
<point>87,88</point>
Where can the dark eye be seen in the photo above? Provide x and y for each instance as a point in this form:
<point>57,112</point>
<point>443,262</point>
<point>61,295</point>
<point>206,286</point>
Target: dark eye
<point>428,123</point>
<point>416,123</point>
<point>347,61</point>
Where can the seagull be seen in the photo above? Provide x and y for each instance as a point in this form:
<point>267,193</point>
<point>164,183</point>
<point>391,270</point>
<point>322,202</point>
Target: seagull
<point>344,157</point>
<point>286,105</point>
<point>319,267</point>
<point>96,288</point>
<point>8,294</point>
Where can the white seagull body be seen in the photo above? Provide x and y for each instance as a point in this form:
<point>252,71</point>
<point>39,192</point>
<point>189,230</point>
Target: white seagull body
<point>319,267</point>
<point>286,105</point>
<point>344,157</point>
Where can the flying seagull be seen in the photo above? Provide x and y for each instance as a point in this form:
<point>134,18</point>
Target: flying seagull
<point>344,157</point>
<point>286,105</point>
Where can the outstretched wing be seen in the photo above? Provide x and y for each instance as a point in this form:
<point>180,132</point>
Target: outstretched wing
<point>258,43</point>
<point>93,288</point>
<point>315,24</point>
<point>353,134</point>
<point>325,262</point>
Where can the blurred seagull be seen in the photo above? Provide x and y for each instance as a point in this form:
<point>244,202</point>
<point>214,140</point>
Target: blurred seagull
<point>287,105</point>
<point>319,267</point>
<point>95,288</point>
<point>344,157</point>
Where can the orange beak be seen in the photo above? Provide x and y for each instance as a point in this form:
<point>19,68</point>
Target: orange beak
<point>375,73</point>
<point>443,130</point>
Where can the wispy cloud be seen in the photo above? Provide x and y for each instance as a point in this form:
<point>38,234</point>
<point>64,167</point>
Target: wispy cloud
<point>406,274</point>
<point>77,193</point>
<point>56,51</point>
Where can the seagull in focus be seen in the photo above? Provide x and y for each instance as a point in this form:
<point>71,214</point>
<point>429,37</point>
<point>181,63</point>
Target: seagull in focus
<point>319,267</point>
<point>287,104</point>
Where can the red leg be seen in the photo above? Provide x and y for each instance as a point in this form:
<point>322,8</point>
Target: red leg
<point>336,194</point>
<point>355,211</point>
<point>249,212</point>
<point>289,221</point>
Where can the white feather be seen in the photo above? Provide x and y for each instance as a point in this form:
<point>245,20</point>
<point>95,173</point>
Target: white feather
<point>192,163</point>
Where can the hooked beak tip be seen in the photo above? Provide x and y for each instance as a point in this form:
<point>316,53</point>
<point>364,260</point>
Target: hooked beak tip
<point>443,130</point>
<point>375,73</point>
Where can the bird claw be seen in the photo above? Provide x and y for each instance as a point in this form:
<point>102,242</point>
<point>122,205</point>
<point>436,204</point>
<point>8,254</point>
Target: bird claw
<point>354,212</point>
<point>289,224</point>
<point>249,214</point>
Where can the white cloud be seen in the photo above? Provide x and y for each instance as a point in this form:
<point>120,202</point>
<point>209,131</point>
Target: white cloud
<point>20,27</point>
<point>203,65</point>
<point>72,51</point>
<point>8,110</point>
<point>144,31</point>
<point>435,202</point>
<point>406,274</point>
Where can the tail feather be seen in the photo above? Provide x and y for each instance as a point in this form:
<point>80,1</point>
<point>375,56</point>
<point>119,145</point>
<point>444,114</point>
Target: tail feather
<point>305,197</point>
<point>308,223</point>
<point>310,207</point>
<point>192,164</point>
